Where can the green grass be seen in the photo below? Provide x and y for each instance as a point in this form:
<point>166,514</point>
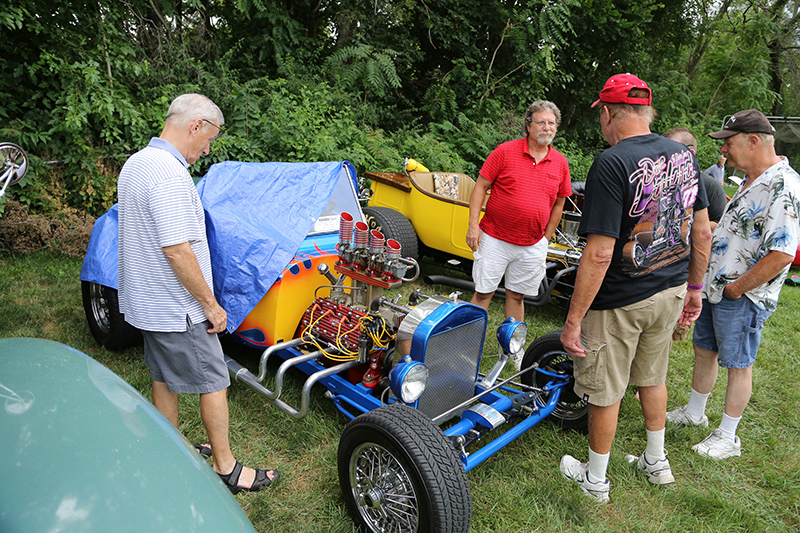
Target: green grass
<point>730,189</point>
<point>520,488</point>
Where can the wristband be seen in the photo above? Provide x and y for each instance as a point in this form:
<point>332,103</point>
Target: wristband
<point>692,287</point>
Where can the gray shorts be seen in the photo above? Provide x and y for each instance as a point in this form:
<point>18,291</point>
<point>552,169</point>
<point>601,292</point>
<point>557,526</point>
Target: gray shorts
<point>189,361</point>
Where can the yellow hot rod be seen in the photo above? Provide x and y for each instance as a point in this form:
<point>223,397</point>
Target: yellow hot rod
<point>428,213</point>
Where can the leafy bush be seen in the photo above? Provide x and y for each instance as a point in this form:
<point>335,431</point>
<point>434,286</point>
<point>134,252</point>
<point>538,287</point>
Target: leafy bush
<point>476,140</point>
<point>579,160</point>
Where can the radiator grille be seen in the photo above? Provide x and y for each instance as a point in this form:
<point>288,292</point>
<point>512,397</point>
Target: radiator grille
<point>452,358</point>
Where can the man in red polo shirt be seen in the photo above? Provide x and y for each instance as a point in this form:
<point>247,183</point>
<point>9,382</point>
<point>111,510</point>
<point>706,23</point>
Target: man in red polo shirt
<point>529,180</point>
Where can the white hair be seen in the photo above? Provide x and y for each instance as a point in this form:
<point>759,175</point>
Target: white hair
<point>188,107</point>
<point>766,138</point>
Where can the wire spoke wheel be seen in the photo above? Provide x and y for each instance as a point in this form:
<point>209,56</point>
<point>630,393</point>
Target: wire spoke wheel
<point>383,490</point>
<point>99,308</point>
<point>400,474</point>
<point>107,324</point>
<point>13,163</point>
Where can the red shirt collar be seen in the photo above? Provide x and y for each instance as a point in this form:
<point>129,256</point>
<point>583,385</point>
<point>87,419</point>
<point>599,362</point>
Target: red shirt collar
<point>526,150</point>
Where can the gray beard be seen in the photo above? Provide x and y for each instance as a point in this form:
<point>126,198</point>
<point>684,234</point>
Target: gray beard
<point>545,138</point>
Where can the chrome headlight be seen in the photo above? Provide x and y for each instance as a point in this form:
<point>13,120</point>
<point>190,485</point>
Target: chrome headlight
<point>511,335</point>
<point>407,379</point>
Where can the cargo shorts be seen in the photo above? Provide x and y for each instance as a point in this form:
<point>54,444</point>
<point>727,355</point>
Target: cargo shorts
<point>627,345</point>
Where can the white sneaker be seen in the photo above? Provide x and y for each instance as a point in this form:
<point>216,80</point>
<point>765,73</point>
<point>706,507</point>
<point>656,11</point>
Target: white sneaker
<point>681,417</point>
<point>719,445</point>
<point>658,472</point>
<point>579,472</point>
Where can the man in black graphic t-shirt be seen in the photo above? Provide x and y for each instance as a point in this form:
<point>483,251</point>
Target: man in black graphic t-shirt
<point>646,224</point>
<point>642,193</point>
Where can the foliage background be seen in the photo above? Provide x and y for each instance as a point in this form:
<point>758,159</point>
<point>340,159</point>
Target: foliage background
<point>85,84</point>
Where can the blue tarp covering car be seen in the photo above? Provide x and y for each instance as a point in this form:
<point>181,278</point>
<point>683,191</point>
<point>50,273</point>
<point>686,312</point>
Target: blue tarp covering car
<point>257,215</point>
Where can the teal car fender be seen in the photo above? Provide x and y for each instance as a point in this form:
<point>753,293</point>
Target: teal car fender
<point>84,451</point>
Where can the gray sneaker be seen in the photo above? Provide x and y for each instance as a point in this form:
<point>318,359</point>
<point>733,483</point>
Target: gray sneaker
<point>579,472</point>
<point>681,417</point>
<point>658,472</point>
<point>719,445</point>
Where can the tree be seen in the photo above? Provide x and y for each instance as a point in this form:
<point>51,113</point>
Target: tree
<point>614,36</point>
<point>87,83</point>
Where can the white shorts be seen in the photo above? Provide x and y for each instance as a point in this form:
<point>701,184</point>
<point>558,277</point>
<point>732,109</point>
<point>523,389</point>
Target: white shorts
<point>523,266</point>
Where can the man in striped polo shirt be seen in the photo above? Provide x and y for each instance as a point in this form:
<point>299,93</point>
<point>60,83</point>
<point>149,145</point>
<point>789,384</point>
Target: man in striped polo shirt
<point>165,280</point>
<point>529,180</point>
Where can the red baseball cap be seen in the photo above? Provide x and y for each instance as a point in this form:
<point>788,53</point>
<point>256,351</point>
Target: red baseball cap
<point>617,88</point>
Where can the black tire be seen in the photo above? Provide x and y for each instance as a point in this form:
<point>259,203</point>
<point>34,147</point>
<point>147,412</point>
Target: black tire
<point>394,225</point>
<point>396,450</point>
<point>571,412</point>
<point>107,324</point>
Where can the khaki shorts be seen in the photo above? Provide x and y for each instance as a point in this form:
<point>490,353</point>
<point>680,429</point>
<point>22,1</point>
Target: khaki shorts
<point>629,344</point>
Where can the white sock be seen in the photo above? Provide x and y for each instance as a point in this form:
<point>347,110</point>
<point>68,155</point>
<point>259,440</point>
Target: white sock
<point>729,424</point>
<point>696,407</point>
<point>655,445</point>
<point>598,464</point>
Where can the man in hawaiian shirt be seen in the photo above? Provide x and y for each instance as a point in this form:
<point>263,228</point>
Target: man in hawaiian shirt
<point>752,249</point>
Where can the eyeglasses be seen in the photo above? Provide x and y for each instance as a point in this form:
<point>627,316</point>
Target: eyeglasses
<point>543,123</point>
<point>221,130</point>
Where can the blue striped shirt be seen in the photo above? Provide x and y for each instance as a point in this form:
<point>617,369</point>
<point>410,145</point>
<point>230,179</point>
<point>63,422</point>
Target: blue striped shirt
<point>158,206</point>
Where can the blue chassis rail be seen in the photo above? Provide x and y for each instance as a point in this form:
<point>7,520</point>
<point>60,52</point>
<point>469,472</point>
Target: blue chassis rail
<point>348,397</point>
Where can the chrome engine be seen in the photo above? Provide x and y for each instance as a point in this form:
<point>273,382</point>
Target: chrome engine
<point>356,323</point>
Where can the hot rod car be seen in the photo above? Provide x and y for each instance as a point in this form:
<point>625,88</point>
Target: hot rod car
<point>428,213</point>
<point>422,411</point>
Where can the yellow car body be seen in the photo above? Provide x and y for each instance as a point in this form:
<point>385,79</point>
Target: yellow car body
<point>436,204</point>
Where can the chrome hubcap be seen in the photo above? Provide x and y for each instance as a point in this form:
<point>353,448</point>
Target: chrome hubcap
<point>382,490</point>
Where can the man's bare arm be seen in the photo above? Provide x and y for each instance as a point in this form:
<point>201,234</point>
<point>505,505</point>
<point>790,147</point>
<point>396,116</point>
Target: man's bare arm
<point>701,247</point>
<point>184,263</point>
<point>592,270</point>
<point>476,198</point>
<point>555,218</point>
<point>698,262</point>
<point>764,270</point>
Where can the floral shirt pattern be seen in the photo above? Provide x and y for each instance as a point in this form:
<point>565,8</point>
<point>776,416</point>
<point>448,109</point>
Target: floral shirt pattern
<point>759,219</point>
